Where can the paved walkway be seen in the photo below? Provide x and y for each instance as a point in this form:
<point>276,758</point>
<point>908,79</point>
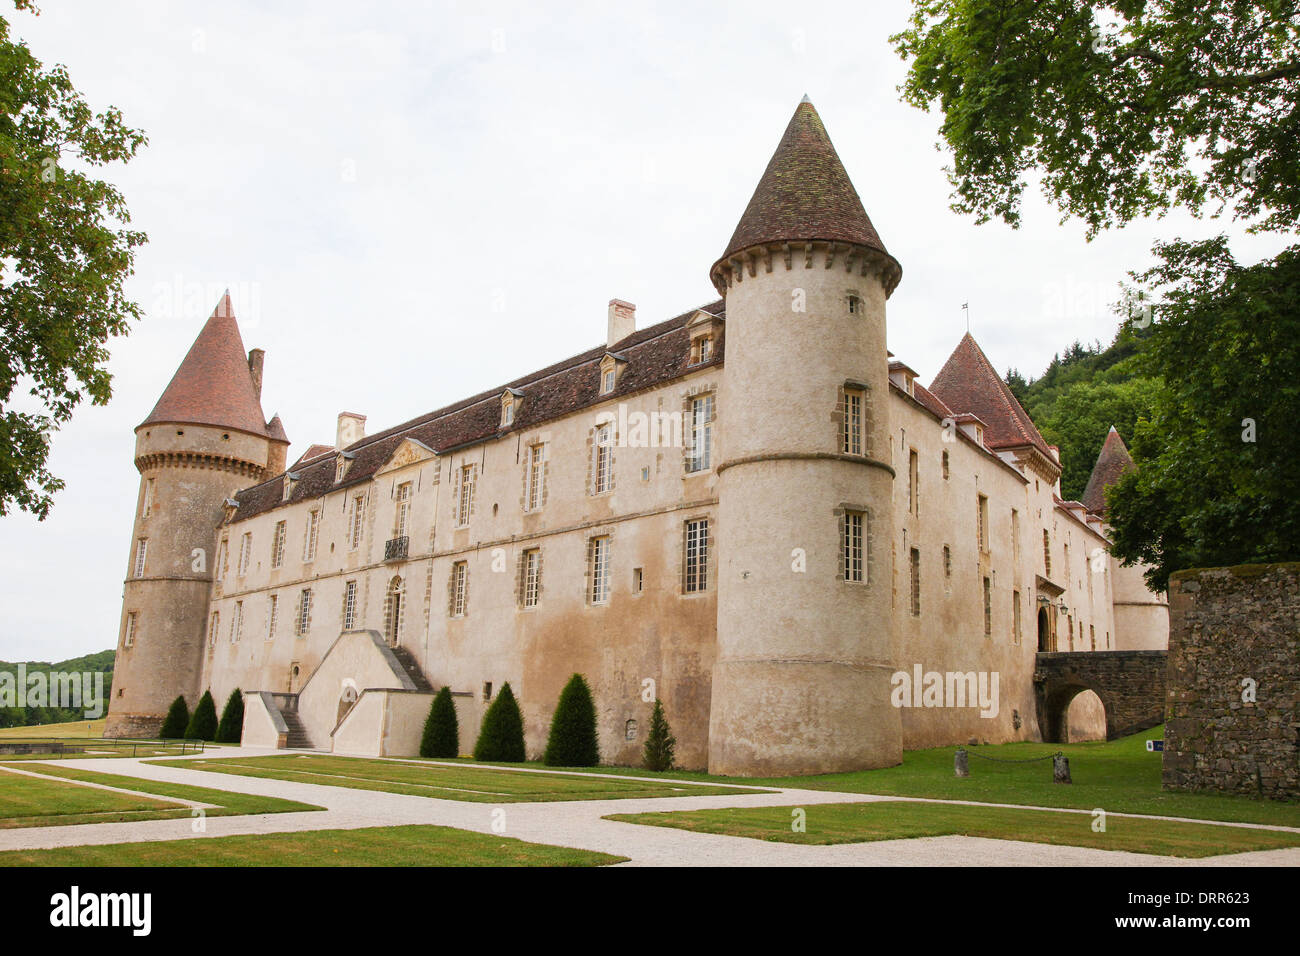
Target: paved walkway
<point>578,824</point>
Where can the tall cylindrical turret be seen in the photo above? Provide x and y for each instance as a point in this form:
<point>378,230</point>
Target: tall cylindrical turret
<point>802,678</point>
<point>204,440</point>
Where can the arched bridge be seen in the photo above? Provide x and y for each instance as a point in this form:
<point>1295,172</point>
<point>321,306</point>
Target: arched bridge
<point>1131,685</point>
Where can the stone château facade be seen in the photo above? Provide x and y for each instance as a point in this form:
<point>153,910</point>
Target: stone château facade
<point>748,510</point>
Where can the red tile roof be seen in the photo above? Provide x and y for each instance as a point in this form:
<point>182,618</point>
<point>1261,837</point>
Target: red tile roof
<point>968,383</point>
<point>1113,461</point>
<point>654,355</point>
<point>804,194</point>
<point>312,452</point>
<point>213,385</point>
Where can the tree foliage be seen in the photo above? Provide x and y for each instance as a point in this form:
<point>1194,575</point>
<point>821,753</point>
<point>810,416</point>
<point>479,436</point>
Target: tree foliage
<point>441,732</point>
<point>572,742</point>
<point>1217,481</point>
<point>660,743</point>
<point>231,728</point>
<point>65,252</point>
<point>203,722</point>
<point>1165,103</point>
<point>501,737</point>
<point>177,719</point>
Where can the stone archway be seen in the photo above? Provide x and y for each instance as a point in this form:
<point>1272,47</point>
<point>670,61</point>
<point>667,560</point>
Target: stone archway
<point>1044,630</point>
<point>1130,685</point>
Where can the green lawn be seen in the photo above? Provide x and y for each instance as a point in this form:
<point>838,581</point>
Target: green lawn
<point>900,820</point>
<point>1119,776</point>
<point>375,846</point>
<point>74,728</point>
<point>28,801</point>
<point>459,782</point>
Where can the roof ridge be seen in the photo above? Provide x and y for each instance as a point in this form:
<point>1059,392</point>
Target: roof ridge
<point>649,334</point>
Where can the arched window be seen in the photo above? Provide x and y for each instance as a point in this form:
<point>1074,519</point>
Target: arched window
<point>393,611</point>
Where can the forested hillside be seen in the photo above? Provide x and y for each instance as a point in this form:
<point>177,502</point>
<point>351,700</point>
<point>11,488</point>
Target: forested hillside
<point>1084,391</point>
<point>27,716</point>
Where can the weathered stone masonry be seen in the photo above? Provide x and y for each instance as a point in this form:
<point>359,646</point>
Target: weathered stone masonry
<point>1230,627</point>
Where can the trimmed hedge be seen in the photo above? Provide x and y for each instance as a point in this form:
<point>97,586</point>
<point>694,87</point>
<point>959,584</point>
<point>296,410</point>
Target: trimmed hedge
<point>441,731</point>
<point>231,728</point>
<point>501,738</point>
<point>572,742</point>
<point>177,719</point>
<point>203,722</point>
<point>660,743</point>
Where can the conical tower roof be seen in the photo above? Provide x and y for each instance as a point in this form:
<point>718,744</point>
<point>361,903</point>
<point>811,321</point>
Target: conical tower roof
<point>969,383</point>
<point>275,429</point>
<point>213,385</point>
<point>805,194</point>
<point>1113,461</point>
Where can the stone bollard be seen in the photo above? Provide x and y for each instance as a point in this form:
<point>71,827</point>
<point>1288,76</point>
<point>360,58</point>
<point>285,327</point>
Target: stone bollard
<point>1061,769</point>
<point>961,763</point>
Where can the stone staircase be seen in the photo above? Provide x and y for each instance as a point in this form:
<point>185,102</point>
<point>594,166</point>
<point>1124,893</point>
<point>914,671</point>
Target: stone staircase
<point>297,739</point>
<point>413,671</point>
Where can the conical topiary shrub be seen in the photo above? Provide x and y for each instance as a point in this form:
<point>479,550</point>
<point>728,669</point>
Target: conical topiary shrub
<point>203,722</point>
<point>177,719</point>
<point>573,728</point>
<point>231,728</point>
<point>502,735</point>
<point>660,743</point>
<point>441,732</point>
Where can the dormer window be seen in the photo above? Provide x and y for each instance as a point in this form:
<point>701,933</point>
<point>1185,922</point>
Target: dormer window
<point>705,330</point>
<point>511,398</point>
<point>289,478</point>
<point>611,367</point>
<point>701,349</point>
<point>341,468</point>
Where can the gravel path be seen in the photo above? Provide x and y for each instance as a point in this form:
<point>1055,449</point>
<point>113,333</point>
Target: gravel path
<point>578,824</point>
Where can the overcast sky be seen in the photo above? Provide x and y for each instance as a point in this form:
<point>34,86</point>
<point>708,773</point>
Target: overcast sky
<point>414,202</point>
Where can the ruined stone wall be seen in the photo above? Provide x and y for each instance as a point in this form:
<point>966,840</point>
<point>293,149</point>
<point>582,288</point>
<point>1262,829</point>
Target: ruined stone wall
<point>1233,705</point>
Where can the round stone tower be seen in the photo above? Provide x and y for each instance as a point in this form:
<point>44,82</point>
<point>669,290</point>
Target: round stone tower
<point>205,439</point>
<point>801,683</point>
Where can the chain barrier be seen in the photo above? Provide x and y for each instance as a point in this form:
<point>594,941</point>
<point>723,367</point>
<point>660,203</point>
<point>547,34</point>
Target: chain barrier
<point>976,753</point>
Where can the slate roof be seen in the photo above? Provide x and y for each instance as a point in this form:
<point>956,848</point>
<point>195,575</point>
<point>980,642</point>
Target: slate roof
<point>213,385</point>
<point>969,383</point>
<point>655,355</point>
<point>805,193</point>
<point>1113,461</point>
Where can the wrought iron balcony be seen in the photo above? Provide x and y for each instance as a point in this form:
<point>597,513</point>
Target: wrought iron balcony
<point>395,548</point>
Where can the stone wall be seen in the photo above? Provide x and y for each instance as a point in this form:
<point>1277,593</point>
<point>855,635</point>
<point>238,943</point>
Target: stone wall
<point>1231,628</point>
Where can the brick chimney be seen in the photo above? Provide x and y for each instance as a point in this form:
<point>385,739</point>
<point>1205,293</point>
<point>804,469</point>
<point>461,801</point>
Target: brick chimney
<point>255,360</point>
<point>352,428</point>
<point>622,321</point>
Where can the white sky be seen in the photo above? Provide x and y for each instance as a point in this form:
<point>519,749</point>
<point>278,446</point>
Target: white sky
<point>414,202</point>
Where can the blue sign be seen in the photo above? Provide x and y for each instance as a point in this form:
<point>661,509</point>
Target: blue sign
<point>1154,745</point>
